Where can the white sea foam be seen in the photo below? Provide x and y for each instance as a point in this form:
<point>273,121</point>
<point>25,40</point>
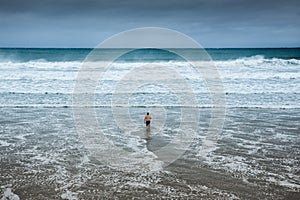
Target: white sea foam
<point>4,143</point>
<point>251,82</point>
<point>289,184</point>
<point>69,195</point>
<point>8,194</point>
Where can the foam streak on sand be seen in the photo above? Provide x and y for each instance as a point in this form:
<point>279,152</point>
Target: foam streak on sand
<point>8,194</point>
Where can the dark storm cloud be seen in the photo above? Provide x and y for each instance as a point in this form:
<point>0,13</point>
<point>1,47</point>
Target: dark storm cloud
<point>214,23</point>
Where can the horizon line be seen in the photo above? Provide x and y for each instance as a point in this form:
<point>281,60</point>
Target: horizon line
<point>287,47</point>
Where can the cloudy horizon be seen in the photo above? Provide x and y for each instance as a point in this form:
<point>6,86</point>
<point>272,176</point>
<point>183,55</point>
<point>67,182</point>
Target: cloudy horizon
<point>213,24</point>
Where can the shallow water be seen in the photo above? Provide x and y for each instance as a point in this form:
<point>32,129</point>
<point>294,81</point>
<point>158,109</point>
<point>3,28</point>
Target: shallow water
<point>256,157</point>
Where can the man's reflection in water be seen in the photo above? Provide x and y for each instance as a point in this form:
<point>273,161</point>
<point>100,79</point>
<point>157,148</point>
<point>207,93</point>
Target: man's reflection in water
<point>148,133</point>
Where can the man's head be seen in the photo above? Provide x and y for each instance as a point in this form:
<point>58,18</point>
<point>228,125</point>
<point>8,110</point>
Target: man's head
<point>147,113</point>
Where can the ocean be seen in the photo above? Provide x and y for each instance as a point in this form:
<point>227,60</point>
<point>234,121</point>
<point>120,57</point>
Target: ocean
<point>45,155</point>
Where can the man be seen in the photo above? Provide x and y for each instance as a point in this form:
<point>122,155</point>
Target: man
<point>147,119</point>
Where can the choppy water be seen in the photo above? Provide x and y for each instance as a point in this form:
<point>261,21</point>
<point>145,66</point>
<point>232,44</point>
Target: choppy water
<point>256,157</point>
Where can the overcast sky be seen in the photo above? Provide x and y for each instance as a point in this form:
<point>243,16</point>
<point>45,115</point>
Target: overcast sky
<point>212,23</point>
